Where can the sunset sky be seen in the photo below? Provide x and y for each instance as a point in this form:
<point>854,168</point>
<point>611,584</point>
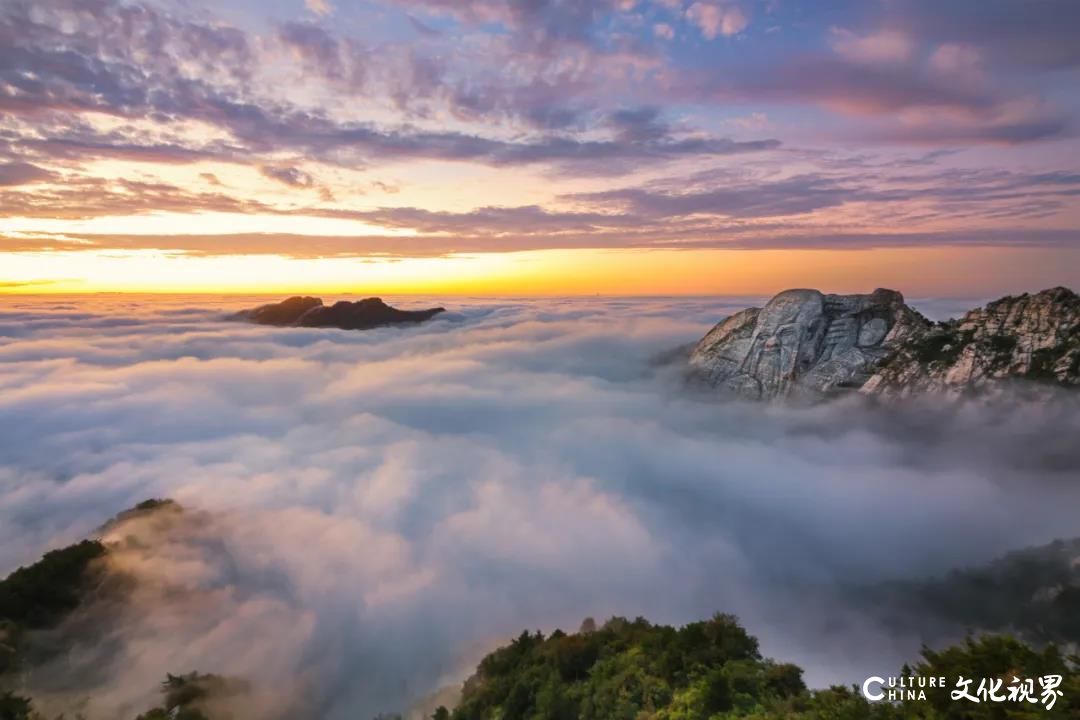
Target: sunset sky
<point>539,146</point>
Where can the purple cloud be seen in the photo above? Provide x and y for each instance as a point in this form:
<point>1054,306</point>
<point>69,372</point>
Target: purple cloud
<point>291,176</point>
<point>21,173</point>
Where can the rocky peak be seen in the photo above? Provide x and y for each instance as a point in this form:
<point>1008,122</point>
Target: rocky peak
<point>311,312</point>
<point>804,342</point>
<point>286,312</point>
<point>1032,336</point>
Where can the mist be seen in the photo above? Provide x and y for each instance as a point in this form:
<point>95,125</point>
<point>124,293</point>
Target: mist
<point>368,513</point>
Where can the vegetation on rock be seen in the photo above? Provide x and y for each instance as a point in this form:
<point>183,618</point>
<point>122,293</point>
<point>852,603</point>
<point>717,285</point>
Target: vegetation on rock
<point>1034,337</point>
<point>41,595</point>
<point>186,697</point>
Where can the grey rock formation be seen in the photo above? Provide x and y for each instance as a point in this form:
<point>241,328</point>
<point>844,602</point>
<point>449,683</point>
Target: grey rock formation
<point>804,343</point>
<point>1035,337</point>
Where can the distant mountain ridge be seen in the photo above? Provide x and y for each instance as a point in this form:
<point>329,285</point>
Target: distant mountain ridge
<point>806,344</point>
<point>1033,593</point>
<point>306,311</point>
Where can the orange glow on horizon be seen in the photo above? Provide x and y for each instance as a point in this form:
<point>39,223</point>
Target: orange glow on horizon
<point>924,271</point>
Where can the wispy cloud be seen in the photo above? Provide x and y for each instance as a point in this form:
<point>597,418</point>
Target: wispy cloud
<point>319,7</point>
<point>132,107</point>
<point>716,19</point>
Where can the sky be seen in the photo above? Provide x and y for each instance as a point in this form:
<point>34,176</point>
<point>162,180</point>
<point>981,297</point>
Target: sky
<point>539,146</point>
<point>369,513</point>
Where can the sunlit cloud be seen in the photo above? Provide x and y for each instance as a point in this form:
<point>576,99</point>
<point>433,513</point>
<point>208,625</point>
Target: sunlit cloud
<point>319,7</point>
<point>492,126</point>
<point>716,19</point>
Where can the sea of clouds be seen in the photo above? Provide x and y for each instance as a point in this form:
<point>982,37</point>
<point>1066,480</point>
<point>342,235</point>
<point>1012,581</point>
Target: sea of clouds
<point>368,513</point>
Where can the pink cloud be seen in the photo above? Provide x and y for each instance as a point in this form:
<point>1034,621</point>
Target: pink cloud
<point>715,20</point>
<point>319,7</point>
<point>884,47</point>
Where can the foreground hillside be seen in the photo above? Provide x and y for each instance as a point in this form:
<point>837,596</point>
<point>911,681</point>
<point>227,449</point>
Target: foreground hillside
<point>712,670</point>
<point>624,669</point>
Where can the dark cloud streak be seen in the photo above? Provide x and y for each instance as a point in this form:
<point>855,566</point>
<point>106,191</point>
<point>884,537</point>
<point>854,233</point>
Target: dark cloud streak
<point>20,173</point>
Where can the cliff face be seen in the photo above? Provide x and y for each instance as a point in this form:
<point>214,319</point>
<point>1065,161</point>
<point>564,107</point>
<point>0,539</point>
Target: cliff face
<point>1036,337</point>
<point>804,343</point>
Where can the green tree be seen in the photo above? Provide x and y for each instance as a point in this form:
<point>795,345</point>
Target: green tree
<point>13,707</point>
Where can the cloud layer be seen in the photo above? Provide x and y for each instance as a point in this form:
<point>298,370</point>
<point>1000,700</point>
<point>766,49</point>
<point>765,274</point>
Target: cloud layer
<point>369,512</point>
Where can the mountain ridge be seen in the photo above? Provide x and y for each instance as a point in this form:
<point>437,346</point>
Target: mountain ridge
<point>805,344</point>
<point>307,311</point>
